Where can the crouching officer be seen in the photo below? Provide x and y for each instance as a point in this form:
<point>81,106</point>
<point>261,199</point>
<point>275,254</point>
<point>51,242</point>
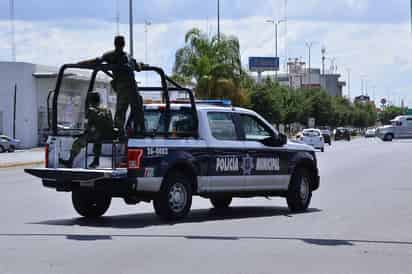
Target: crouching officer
<point>99,127</point>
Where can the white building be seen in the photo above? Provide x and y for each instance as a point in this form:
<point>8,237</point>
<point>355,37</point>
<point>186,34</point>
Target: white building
<point>33,83</point>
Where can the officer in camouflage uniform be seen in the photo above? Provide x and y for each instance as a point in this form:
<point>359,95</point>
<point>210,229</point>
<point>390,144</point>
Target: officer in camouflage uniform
<point>124,85</point>
<point>99,127</point>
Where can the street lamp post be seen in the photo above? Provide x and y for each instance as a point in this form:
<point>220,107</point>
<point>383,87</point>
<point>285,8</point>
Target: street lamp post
<point>309,46</point>
<point>276,25</point>
<point>131,26</point>
<point>147,24</point>
<point>13,32</point>
<point>117,18</point>
<point>218,20</point>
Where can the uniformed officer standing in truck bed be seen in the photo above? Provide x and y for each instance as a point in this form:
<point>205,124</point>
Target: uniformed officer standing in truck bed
<point>124,85</point>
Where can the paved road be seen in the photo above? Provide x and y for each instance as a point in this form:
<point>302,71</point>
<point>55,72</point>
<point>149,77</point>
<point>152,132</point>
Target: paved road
<point>360,222</point>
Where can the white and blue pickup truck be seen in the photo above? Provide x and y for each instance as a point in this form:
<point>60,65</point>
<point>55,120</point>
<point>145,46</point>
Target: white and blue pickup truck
<point>208,149</point>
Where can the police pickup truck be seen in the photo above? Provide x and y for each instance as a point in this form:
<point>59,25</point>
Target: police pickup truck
<point>190,148</point>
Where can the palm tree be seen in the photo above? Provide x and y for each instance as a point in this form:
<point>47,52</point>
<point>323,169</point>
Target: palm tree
<point>212,66</point>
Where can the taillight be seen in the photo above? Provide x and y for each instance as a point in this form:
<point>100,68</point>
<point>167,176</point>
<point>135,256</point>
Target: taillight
<point>134,158</point>
<point>46,156</point>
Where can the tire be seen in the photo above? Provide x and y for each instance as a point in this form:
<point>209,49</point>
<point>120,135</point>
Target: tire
<point>221,202</point>
<point>174,199</point>
<point>322,149</point>
<point>300,191</point>
<point>2,149</point>
<point>388,137</point>
<point>90,204</point>
<point>12,149</point>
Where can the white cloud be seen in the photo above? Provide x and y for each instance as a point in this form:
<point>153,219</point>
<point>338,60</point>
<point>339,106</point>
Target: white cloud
<point>379,51</point>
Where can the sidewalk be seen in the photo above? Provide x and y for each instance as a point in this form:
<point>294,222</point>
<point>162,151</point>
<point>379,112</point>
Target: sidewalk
<point>22,158</point>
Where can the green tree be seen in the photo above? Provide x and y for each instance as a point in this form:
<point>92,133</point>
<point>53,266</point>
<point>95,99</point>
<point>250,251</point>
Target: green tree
<point>265,99</point>
<point>213,66</point>
<point>389,113</point>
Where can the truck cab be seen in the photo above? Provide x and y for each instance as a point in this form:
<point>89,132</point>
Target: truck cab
<point>400,128</point>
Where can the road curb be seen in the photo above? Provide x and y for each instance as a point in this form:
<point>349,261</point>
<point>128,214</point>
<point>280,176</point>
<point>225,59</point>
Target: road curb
<point>21,164</point>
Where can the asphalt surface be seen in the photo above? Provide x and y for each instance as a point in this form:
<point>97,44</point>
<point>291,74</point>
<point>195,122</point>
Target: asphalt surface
<point>360,221</point>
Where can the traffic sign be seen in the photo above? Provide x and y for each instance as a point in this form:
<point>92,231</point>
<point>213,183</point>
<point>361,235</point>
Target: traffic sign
<point>261,64</point>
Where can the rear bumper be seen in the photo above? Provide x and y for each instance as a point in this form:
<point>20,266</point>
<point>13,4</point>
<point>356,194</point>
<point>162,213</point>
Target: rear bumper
<point>114,182</point>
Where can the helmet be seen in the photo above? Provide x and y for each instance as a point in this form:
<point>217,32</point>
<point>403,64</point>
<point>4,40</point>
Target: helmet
<point>93,98</point>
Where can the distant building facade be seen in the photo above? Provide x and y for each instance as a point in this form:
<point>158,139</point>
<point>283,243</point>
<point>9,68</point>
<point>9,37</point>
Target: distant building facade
<point>33,83</point>
<point>298,76</point>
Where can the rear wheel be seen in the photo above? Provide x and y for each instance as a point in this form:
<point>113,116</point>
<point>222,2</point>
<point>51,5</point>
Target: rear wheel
<point>322,149</point>
<point>300,191</point>
<point>388,137</point>
<point>2,149</point>
<point>90,204</point>
<point>221,202</point>
<point>175,198</point>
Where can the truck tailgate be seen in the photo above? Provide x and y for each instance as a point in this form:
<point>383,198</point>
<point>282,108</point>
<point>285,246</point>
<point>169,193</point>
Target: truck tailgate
<point>77,175</point>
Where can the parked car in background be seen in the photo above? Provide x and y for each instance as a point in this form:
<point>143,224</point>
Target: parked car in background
<point>4,145</point>
<point>13,143</point>
<point>312,137</point>
<point>370,133</point>
<point>400,128</point>
<point>327,135</point>
<point>342,134</point>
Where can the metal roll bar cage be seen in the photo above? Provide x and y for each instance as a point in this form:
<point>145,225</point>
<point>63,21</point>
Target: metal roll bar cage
<point>167,85</point>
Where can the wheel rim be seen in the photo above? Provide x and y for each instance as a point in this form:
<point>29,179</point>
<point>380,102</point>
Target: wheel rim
<point>304,189</point>
<point>177,197</point>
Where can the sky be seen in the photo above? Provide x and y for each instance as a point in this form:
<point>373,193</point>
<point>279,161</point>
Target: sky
<point>370,38</point>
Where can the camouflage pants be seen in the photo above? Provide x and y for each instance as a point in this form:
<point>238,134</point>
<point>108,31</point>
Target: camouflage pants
<point>127,96</point>
<point>81,143</point>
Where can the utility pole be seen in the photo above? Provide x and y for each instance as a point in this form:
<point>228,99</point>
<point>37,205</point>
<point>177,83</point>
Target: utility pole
<point>323,51</point>
<point>12,32</point>
<point>14,111</point>
<point>309,46</point>
<point>131,26</point>
<point>147,24</point>
<point>218,20</point>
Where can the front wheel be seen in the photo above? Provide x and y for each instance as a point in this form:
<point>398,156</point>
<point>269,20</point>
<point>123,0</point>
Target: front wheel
<point>322,149</point>
<point>300,191</point>
<point>175,198</point>
<point>221,202</point>
<point>12,149</point>
<point>90,204</point>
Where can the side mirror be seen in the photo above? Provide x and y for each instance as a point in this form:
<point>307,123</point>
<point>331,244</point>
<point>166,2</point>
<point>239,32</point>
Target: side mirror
<point>276,141</point>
